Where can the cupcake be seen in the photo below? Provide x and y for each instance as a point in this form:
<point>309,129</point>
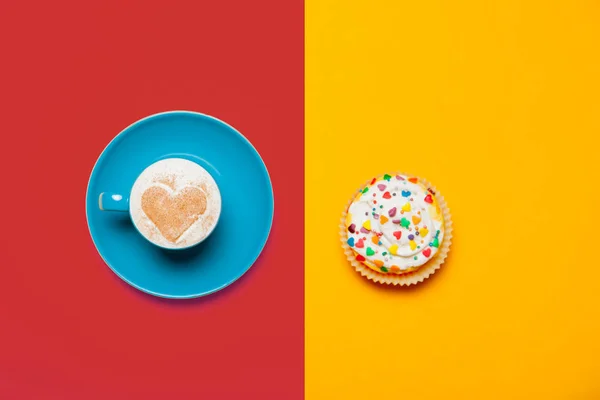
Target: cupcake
<point>396,230</point>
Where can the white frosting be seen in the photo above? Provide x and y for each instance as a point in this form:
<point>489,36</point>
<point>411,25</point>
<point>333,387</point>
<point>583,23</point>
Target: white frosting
<point>402,225</point>
<point>174,175</point>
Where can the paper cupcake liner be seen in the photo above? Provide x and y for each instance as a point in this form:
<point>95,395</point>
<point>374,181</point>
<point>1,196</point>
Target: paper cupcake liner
<point>409,278</point>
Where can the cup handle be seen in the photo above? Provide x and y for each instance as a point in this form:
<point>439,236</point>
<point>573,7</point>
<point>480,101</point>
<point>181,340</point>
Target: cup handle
<point>113,202</point>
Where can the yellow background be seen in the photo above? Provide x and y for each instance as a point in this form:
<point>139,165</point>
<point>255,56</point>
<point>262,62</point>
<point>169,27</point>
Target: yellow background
<point>497,103</point>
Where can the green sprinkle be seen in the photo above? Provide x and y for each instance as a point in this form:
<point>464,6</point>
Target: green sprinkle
<point>384,269</point>
<point>418,247</point>
<point>387,177</point>
<point>384,253</point>
<point>370,251</point>
<point>365,190</point>
<point>415,257</point>
<point>435,243</point>
<point>404,223</point>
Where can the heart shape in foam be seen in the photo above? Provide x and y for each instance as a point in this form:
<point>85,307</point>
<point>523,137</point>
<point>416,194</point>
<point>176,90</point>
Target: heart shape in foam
<point>173,213</point>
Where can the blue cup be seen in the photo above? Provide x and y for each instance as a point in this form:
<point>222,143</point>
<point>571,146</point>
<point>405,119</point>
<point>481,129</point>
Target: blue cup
<point>174,203</point>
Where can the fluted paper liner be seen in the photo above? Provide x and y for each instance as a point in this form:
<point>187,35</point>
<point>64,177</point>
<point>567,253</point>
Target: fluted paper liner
<point>409,278</point>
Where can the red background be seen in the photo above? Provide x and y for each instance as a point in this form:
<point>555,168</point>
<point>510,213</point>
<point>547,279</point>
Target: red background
<point>72,75</point>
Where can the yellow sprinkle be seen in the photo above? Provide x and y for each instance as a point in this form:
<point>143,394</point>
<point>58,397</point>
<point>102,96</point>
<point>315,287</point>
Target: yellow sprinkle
<point>423,232</point>
<point>406,207</point>
<point>393,249</point>
<point>367,224</point>
<point>413,244</point>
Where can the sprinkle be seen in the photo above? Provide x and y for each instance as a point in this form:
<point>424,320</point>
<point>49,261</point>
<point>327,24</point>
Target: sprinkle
<point>405,193</point>
<point>367,225</point>
<point>375,239</point>
<point>427,252</point>
<point>415,258</point>
<point>387,177</point>
<point>383,219</point>
<point>404,223</point>
<point>393,249</point>
<point>380,206</point>
<point>398,234</point>
<point>381,187</point>
<point>375,215</point>
<point>384,253</point>
<point>406,207</point>
<point>379,263</point>
<point>411,237</point>
<point>416,219</point>
<point>413,180</point>
<point>360,244</point>
<point>351,242</point>
<point>399,178</point>
<point>412,244</point>
<point>365,190</point>
<point>392,212</point>
<point>373,181</point>
<point>424,231</point>
<point>374,194</point>
<point>395,268</point>
<point>394,194</point>
<point>428,199</point>
<point>363,230</point>
<point>387,195</point>
<point>395,221</point>
<point>359,258</point>
<point>384,269</point>
<point>435,242</point>
<point>417,232</point>
<point>370,251</point>
<point>352,228</point>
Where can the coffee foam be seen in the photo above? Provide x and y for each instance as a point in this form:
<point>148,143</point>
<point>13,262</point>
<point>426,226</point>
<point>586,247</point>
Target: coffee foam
<point>175,203</point>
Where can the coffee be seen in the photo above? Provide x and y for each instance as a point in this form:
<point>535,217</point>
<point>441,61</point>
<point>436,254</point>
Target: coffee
<point>175,203</point>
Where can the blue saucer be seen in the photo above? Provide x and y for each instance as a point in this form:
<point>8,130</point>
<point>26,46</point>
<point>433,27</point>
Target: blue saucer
<point>247,205</point>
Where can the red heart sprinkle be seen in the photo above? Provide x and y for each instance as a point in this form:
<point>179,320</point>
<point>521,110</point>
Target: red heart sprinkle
<point>387,195</point>
<point>428,199</point>
<point>359,258</point>
<point>398,235</point>
<point>360,244</point>
<point>427,252</point>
